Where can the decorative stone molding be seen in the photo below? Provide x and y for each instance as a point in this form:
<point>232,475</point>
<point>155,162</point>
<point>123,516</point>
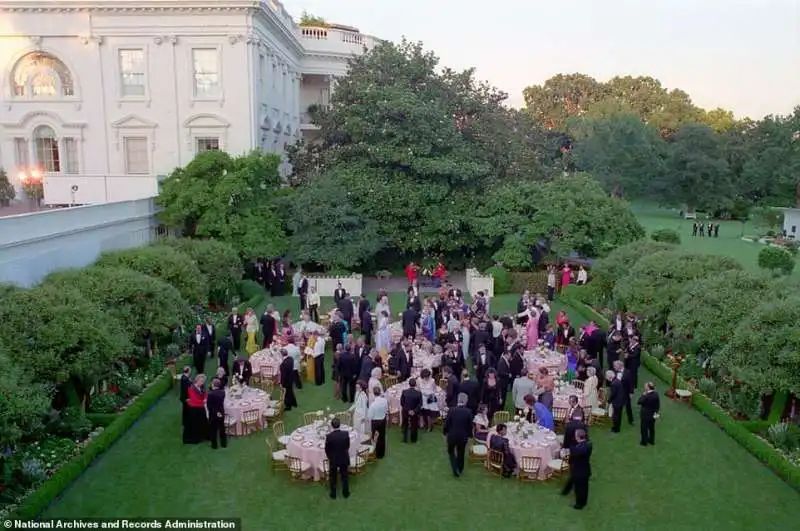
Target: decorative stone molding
<point>158,40</point>
<point>90,39</point>
<point>173,39</point>
<point>36,40</point>
<point>233,39</point>
<point>254,39</point>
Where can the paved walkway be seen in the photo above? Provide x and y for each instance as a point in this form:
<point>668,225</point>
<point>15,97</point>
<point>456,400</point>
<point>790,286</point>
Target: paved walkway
<point>19,208</point>
<point>399,284</point>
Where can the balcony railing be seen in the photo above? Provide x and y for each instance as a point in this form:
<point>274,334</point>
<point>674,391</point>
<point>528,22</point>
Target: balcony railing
<point>97,189</point>
<point>335,41</point>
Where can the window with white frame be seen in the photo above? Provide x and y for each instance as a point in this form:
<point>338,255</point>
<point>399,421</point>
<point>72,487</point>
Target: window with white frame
<point>41,75</point>
<point>206,73</point>
<point>47,154</point>
<point>137,160</point>
<point>206,143</point>
<point>132,72</point>
<point>70,155</point>
<point>22,153</point>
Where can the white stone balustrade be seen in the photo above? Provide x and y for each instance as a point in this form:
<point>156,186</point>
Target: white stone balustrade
<point>326,285</point>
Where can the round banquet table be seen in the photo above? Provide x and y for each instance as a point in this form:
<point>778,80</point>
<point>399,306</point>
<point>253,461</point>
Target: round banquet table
<point>393,396</point>
<point>535,441</point>
<point>396,330</point>
<point>267,357</point>
<point>423,360</point>
<point>251,399</point>
<point>306,444</point>
<point>561,397</point>
<point>553,361</point>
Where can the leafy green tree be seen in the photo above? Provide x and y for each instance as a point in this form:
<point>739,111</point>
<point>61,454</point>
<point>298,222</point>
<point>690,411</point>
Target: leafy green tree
<point>776,260</point>
<point>709,308</point>
<point>762,351</point>
<point>656,281</point>
<point>24,403</point>
<point>720,120</point>
<point>769,217</point>
<point>218,261</point>
<point>561,97</point>
<point>697,170</point>
<point>327,227</point>
<point>621,151</point>
<point>60,337</point>
<point>228,199</point>
<point>165,263</point>
<point>7,192</point>
<point>140,303</point>
<point>666,236</point>
<point>618,263</point>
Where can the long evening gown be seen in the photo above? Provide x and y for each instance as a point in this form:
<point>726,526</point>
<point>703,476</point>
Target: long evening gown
<point>532,331</point>
<point>384,339</point>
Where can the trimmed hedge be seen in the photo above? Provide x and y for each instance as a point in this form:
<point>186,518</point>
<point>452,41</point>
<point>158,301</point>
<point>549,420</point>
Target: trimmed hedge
<point>741,432</point>
<point>101,419</point>
<point>40,500</point>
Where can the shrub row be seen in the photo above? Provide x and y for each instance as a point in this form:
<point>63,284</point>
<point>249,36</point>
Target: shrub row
<point>742,432</point>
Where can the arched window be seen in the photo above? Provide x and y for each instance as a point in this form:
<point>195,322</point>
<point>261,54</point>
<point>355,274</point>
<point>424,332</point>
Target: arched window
<point>46,145</point>
<point>41,75</point>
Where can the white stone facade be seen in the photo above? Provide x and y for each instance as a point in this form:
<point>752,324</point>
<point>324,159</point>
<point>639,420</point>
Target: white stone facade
<point>99,98</point>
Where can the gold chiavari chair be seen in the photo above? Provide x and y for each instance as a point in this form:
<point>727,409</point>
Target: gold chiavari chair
<point>280,433</point>
<point>277,459</point>
<point>361,460</point>
<point>577,384</point>
<point>325,472</point>
<point>230,425</point>
<point>268,372</point>
<point>251,421</point>
<point>560,415</point>
<point>560,465</point>
<point>255,380</point>
<point>529,468</point>
<point>443,384</point>
<point>309,418</point>
<point>389,381</point>
<point>500,417</point>
<point>345,418</point>
<point>297,467</point>
<point>494,462</point>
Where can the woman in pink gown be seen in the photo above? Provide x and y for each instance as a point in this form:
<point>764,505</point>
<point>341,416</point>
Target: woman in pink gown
<point>566,276</point>
<point>532,329</point>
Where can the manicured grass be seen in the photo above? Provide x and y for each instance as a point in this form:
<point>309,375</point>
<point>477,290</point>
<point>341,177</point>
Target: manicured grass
<point>729,242</point>
<point>695,478</point>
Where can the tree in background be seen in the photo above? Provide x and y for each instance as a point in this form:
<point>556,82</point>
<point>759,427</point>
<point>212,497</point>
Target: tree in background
<point>24,405</point>
<point>617,265</point>
<point>776,260</point>
<point>218,262</point>
<point>227,198</point>
<point>7,192</point>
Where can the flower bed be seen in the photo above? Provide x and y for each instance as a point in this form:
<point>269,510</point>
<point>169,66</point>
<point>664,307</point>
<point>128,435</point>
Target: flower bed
<point>783,464</point>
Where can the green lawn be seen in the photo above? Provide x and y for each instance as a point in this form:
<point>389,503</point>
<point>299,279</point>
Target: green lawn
<point>695,478</point>
<point>729,243</point>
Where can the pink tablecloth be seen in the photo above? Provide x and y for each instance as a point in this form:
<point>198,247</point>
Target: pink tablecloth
<point>540,442</point>
<point>394,392</point>
<point>561,397</point>
<point>266,358</point>
<point>305,443</point>
<point>251,399</point>
<point>552,361</point>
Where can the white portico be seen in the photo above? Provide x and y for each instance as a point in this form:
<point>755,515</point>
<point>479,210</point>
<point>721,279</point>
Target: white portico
<point>98,98</point>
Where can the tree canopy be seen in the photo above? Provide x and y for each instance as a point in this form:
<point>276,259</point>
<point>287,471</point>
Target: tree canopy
<point>219,263</point>
<point>617,265</point>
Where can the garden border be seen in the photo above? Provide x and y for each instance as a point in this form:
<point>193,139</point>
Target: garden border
<point>741,432</point>
<point>40,499</point>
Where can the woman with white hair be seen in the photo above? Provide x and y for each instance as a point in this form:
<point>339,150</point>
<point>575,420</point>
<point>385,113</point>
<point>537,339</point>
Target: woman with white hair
<point>590,388</point>
<point>375,381</point>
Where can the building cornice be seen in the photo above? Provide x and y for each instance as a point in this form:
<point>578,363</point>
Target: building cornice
<point>126,6</point>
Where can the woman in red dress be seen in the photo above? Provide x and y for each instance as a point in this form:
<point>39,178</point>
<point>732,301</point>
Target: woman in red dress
<point>439,274</point>
<point>411,272</point>
<point>196,428</point>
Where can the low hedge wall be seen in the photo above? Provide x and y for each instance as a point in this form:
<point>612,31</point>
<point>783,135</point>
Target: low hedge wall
<point>743,432</point>
<point>38,501</point>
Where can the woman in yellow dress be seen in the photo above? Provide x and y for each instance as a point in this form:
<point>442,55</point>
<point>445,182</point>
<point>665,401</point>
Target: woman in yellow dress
<point>251,327</point>
<point>309,357</point>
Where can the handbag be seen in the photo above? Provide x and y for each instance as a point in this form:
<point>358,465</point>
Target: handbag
<point>431,399</point>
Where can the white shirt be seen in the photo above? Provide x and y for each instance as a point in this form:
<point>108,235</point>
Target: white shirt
<point>313,299</point>
<point>294,353</point>
<point>319,347</point>
<point>210,329</point>
<point>551,280</point>
<point>583,276</point>
<point>377,410</point>
<point>497,328</point>
<point>197,337</point>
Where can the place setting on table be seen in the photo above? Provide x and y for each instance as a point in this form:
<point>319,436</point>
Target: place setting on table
<point>531,440</point>
<point>307,445</point>
<point>541,356</point>
<point>245,408</point>
<point>267,359</point>
<point>394,392</point>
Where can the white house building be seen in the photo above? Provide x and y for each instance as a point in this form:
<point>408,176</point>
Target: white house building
<point>99,98</point>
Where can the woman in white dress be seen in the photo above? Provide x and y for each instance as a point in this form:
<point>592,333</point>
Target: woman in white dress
<point>590,388</point>
<point>374,381</point>
<point>383,341</point>
<point>430,405</point>
<point>383,306</point>
<point>359,409</point>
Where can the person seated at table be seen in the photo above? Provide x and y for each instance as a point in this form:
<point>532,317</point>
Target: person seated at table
<point>528,413</point>
<point>543,416</point>
<point>242,371</point>
<point>222,376</point>
<point>499,442</point>
<point>544,381</point>
<point>481,424</point>
<point>196,428</point>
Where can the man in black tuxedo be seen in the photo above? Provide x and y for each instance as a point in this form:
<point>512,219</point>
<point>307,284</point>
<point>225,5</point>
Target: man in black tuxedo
<point>186,383</point>
<point>287,380</point>
<point>624,375</point>
<point>616,397</point>
<point>410,407</point>
<point>216,414</point>
<point>302,292</point>
<point>483,362</point>
<point>574,409</point>
<point>210,331</point>
<point>522,305</point>
<point>337,450</point>
<point>269,326</point>
<point>225,347</point>
<point>347,310</point>
<point>499,442</point>
<point>649,406</point>
<point>405,360</point>
<point>336,331</point>
<point>242,370</point>
<point>339,293</point>
<point>504,376</point>
<point>347,368</point>
<point>544,320</point>
<point>235,325</point>
<point>633,359</point>
<point>366,326</point>
<point>409,320</point>
<point>367,360</point>
<point>198,344</point>
<point>574,423</point>
<point>481,337</point>
<point>457,431</point>
<point>451,392</point>
<point>580,469</point>
<point>363,306</point>
<point>414,304</point>
<point>613,347</point>
<point>453,293</point>
<point>473,391</point>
